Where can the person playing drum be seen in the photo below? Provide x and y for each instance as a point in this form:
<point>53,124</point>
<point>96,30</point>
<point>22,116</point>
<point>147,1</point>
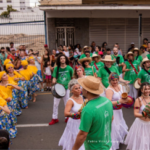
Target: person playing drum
<point>62,74</point>
<point>144,74</point>
<point>131,69</point>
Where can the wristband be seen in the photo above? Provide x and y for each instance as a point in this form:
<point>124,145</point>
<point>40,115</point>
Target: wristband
<point>118,102</point>
<point>136,107</point>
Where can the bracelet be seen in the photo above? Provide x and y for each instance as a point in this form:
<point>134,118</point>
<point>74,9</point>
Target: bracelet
<point>136,107</point>
<point>118,102</point>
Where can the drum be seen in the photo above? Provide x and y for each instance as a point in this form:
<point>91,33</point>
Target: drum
<point>136,85</point>
<point>58,90</point>
<point>130,102</point>
<point>117,107</point>
<point>146,111</point>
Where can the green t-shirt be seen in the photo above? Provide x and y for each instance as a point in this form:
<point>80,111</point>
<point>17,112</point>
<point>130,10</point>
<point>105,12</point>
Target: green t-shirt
<point>83,56</point>
<point>99,65</point>
<point>64,75</point>
<point>139,59</point>
<point>131,75</point>
<point>89,71</point>
<point>144,76</point>
<point>120,61</point>
<point>96,118</point>
<point>104,75</point>
<point>148,56</point>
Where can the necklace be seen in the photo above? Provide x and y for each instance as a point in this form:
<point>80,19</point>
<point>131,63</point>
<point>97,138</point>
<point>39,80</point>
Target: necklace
<point>76,97</point>
<point>145,96</point>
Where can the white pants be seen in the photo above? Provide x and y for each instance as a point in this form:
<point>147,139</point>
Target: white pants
<point>56,103</point>
<point>133,91</point>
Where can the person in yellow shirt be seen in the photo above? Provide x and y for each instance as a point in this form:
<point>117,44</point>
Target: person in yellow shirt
<point>7,88</point>
<point>31,65</point>
<point>14,76</point>
<point>31,79</point>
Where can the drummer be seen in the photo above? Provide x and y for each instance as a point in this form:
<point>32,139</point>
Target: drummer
<point>131,69</point>
<point>119,60</point>
<point>62,74</point>
<point>105,71</point>
<point>144,74</point>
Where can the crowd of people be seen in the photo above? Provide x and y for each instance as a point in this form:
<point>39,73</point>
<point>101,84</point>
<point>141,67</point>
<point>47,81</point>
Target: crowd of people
<point>94,79</point>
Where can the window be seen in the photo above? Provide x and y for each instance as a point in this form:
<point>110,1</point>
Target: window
<point>1,1</point>
<point>8,1</point>
<point>1,8</point>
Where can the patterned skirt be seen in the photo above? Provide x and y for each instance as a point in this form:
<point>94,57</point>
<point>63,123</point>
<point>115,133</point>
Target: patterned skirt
<point>4,124</point>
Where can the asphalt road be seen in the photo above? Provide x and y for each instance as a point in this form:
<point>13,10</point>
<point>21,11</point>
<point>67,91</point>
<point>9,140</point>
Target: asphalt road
<point>34,132</point>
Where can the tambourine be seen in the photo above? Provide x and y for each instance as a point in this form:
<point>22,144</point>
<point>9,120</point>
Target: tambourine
<point>146,111</point>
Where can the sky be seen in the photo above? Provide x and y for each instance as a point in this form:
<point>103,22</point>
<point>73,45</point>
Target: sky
<point>32,2</point>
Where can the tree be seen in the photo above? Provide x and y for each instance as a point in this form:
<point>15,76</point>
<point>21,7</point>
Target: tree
<point>7,13</point>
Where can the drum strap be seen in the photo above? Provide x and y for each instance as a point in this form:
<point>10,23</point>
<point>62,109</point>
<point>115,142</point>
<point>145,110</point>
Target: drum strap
<point>95,66</point>
<point>118,60</point>
<point>57,72</point>
<point>147,71</point>
<point>107,70</point>
<point>137,57</point>
<point>133,67</point>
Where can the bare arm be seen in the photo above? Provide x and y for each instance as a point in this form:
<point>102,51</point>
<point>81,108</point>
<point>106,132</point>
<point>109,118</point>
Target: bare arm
<point>139,81</point>
<point>136,111</point>
<point>68,107</point>
<point>54,80</point>
<point>15,86</point>
<point>109,95</point>
<point>5,109</point>
<point>81,137</point>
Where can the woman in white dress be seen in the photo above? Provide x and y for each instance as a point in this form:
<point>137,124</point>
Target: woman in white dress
<point>119,127</point>
<point>138,137</point>
<point>74,103</point>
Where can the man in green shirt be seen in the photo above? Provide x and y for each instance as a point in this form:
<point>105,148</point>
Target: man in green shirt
<point>105,71</point>
<point>131,69</point>
<point>96,63</point>
<point>62,74</point>
<point>96,117</point>
<point>144,74</point>
<point>119,60</point>
<point>86,52</point>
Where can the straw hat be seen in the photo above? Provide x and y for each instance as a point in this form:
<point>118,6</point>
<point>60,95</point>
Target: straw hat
<point>129,53</point>
<point>95,55</point>
<point>91,84</point>
<point>85,59</point>
<point>108,58</point>
<point>136,49</point>
<point>144,60</point>
<point>136,85</point>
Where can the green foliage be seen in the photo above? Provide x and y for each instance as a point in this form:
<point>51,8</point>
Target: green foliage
<point>7,13</point>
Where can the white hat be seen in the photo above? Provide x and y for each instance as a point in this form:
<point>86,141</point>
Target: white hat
<point>132,43</point>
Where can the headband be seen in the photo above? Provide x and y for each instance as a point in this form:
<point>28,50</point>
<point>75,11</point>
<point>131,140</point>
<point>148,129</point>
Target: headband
<point>114,76</point>
<point>24,63</point>
<point>9,65</point>
<point>7,61</point>
<point>1,74</point>
<point>78,66</point>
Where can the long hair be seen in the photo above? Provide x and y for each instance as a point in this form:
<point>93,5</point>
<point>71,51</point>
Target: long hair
<point>103,45</point>
<point>58,60</point>
<point>48,53</point>
<point>142,86</point>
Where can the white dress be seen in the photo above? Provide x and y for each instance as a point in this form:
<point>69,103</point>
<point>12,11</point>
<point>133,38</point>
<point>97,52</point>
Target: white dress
<point>138,137</point>
<point>119,127</point>
<point>68,138</point>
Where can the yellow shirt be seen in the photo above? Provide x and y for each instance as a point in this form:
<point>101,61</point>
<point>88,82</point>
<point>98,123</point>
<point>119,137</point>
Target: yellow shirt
<point>33,68</point>
<point>27,74</point>
<point>12,78</point>
<point>7,90</point>
<point>3,95</point>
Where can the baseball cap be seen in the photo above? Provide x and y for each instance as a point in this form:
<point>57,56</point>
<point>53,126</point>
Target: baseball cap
<point>132,42</point>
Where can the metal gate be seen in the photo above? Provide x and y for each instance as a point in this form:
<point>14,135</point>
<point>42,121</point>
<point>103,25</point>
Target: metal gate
<point>65,36</point>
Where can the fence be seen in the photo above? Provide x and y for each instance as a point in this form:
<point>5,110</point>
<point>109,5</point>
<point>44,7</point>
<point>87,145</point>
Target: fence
<point>23,30</point>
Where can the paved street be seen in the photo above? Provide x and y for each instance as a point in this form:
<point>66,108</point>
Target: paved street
<point>33,129</point>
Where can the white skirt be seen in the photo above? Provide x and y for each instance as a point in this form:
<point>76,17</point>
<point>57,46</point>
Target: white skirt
<point>71,131</point>
<point>138,137</point>
<point>119,129</point>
